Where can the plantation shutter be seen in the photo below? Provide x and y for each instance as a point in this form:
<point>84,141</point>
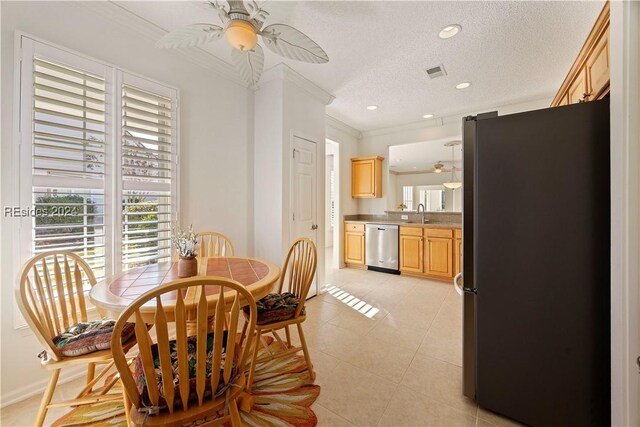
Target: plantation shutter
<point>149,163</point>
<point>97,159</point>
<point>68,160</point>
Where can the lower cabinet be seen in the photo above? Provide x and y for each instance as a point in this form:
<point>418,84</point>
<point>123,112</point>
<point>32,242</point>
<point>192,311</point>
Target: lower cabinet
<point>354,244</point>
<point>439,256</point>
<point>411,250</point>
<point>457,252</point>
<point>429,252</point>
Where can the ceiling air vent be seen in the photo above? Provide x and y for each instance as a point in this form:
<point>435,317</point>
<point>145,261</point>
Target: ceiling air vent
<point>437,71</point>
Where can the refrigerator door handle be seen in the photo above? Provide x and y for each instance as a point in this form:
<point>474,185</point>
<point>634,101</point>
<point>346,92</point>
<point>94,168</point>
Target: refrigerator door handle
<point>456,285</point>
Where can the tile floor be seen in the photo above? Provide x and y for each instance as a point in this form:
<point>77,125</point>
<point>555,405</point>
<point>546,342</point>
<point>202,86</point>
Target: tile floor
<point>387,350</point>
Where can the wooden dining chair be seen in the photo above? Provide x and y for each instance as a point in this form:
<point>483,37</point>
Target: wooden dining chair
<point>186,379</point>
<point>51,298</point>
<point>298,271</point>
<point>214,244</point>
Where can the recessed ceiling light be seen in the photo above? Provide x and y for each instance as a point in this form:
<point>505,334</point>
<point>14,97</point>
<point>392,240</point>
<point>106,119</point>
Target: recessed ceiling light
<point>449,31</point>
<point>428,116</point>
<point>415,167</point>
<point>463,85</point>
<point>372,107</point>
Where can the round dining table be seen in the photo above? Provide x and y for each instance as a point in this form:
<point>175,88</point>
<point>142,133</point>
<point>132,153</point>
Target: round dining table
<point>112,296</point>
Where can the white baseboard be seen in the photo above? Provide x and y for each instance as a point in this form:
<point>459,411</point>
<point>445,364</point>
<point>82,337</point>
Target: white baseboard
<point>18,394</point>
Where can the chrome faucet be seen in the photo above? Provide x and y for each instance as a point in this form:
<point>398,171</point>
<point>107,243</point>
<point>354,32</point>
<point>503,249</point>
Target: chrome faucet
<point>423,208</point>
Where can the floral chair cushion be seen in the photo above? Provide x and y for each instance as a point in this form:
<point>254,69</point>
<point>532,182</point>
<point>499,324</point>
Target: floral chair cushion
<point>276,308</point>
<point>141,383</point>
<point>89,337</point>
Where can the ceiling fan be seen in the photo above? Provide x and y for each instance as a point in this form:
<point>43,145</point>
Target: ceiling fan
<point>242,24</point>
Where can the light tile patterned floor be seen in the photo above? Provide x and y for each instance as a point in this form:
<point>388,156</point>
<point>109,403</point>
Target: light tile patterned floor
<point>399,367</point>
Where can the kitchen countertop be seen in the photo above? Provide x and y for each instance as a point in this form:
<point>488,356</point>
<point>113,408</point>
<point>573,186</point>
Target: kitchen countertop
<point>409,224</point>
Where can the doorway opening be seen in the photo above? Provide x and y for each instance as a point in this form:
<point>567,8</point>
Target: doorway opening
<point>332,197</point>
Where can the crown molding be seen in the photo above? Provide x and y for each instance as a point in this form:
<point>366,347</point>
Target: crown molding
<point>454,118</point>
<point>424,124</point>
<point>343,127</point>
<point>285,73</point>
<point>149,31</point>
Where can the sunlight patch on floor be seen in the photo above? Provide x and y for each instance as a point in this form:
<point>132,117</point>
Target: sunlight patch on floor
<point>354,302</point>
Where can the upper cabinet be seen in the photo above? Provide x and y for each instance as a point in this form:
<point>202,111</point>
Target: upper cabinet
<point>366,177</point>
<point>588,78</point>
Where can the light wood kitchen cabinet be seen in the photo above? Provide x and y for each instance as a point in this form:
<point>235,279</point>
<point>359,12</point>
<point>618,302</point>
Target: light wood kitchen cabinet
<point>457,251</point>
<point>438,256</point>
<point>427,252</point>
<point>597,67</point>
<point>588,78</point>
<point>366,177</point>
<point>579,91</point>
<point>411,253</point>
<point>354,244</point>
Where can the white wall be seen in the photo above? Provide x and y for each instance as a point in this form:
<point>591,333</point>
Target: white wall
<point>348,141</point>
<point>216,145</point>
<point>377,143</point>
<point>286,105</point>
<point>624,49</point>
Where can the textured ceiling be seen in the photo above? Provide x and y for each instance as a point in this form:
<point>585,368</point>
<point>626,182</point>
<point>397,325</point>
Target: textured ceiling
<point>421,156</point>
<point>378,50</point>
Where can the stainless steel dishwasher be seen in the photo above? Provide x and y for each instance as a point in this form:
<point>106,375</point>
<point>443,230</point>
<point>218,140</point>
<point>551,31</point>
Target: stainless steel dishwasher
<point>382,247</point>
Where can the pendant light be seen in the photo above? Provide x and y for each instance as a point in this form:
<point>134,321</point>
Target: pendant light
<point>454,183</point>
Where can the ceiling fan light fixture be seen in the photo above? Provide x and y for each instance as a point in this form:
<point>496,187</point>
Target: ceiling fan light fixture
<point>438,167</point>
<point>241,35</point>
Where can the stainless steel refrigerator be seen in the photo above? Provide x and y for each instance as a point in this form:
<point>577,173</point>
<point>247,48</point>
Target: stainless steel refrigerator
<point>536,264</point>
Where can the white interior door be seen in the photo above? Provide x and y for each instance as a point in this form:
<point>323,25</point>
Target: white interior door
<point>304,189</point>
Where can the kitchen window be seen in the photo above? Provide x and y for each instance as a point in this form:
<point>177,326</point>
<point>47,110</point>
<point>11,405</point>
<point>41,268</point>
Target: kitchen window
<point>98,160</point>
<point>407,197</point>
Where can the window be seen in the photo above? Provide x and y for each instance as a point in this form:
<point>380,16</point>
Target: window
<point>332,191</point>
<point>100,170</point>
<point>147,166</point>
<point>407,197</point>
<point>68,160</point>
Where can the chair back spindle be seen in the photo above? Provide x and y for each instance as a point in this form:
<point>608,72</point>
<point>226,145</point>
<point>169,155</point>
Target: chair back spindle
<point>214,244</point>
<point>298,270</point>
<point>219,359</point>
<point>51,296</point>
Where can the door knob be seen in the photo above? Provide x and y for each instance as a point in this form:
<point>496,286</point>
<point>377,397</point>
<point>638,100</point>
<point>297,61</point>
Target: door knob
<point>314,227</point>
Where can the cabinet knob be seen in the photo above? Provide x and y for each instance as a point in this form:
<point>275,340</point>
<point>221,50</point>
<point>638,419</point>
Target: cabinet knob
<point>584,97</point>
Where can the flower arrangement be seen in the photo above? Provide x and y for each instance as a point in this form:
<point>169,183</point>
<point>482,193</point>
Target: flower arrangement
<point>185,241</point>
<point>402,206</point>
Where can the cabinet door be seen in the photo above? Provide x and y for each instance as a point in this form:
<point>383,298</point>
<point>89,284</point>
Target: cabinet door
<point>438,256</point>
<point>411,254</point>
<point>564,100</point>
<point>354,248</point>
<point>598,67</point>
<point>457,256</point>
<point>578,88</point>
<point>363,178</point>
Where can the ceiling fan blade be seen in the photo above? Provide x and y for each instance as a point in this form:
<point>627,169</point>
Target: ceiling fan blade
<point>288,42</point>
<point>191,35</point>
<point>249,63</point>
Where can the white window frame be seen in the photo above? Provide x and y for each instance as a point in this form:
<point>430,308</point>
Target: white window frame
<point>26,46</point>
